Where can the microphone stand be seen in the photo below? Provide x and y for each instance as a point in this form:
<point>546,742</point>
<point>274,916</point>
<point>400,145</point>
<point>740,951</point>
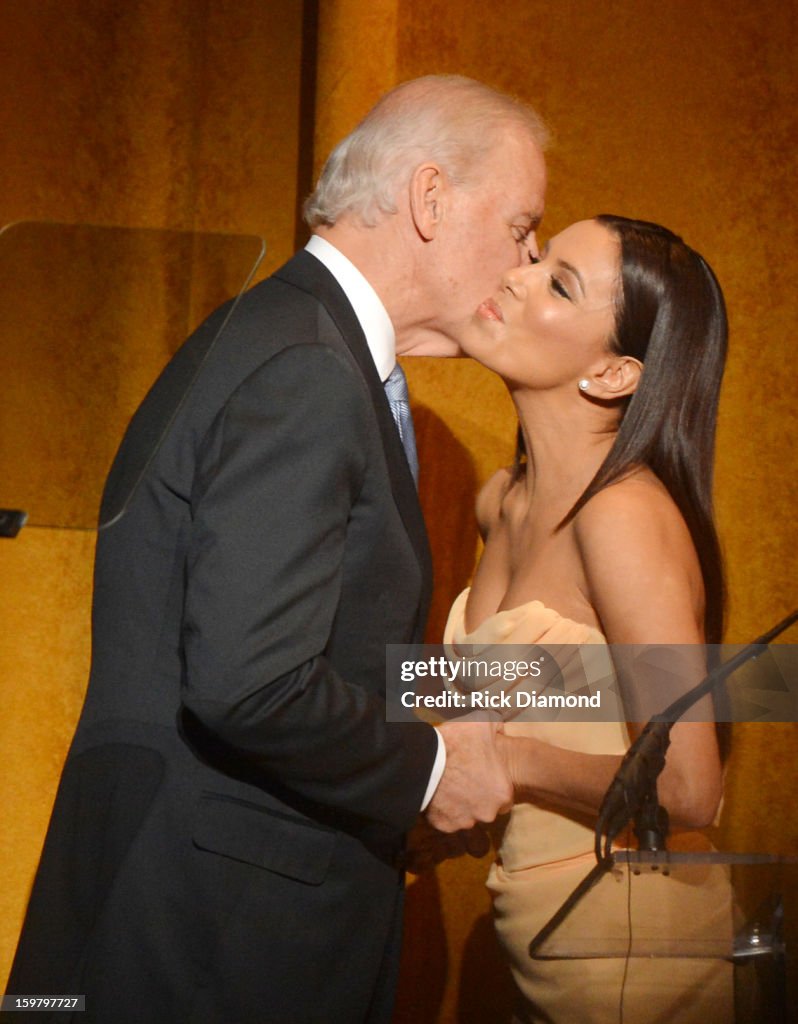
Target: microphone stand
<point>632,794</point>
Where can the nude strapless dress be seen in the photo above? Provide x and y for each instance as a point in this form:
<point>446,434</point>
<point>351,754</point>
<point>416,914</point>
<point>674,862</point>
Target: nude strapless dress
<point>545,851</point>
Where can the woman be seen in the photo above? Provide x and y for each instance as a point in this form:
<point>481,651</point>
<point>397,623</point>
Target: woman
<point>612,346</point>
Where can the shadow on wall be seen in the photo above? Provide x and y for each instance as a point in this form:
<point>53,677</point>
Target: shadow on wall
<point>448,490</point>
<point>485,991</point>
<point>425,955</point>
<point>452,970</point>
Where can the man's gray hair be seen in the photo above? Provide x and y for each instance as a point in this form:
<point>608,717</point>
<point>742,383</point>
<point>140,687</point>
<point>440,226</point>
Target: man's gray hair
<point>451,120</point>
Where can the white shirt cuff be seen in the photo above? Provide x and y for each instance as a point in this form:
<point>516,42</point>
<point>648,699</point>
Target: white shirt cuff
<point>437,770</point>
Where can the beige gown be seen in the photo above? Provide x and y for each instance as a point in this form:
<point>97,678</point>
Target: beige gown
<point>546,851</point>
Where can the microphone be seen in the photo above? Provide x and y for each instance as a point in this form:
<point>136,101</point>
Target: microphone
<point>631,791</point>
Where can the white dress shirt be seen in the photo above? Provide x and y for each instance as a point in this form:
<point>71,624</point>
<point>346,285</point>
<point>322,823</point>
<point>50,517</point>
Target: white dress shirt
<point>381,340</point>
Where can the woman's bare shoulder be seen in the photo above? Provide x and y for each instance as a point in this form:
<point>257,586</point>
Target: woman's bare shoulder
<point>639,503</point>
<point>640,565</point>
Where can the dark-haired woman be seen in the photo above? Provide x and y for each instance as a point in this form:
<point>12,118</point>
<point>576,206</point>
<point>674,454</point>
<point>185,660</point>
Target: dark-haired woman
<point>612,346</point>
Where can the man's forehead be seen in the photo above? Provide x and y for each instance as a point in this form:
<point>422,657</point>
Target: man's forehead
<point>514,179</point>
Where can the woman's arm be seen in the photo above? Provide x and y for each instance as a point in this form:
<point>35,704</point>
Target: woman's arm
<point>641,576</point>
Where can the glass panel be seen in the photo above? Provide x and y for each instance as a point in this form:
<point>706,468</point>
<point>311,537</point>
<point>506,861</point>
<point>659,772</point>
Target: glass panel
<point>90,317</point>
<point>674,905</point>
<point>738,908</point>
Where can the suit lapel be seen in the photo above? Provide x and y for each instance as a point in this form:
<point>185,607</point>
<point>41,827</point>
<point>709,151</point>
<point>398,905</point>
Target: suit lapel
<point>307,273</point>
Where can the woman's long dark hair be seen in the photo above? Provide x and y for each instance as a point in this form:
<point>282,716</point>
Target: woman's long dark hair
<point>670,314</point>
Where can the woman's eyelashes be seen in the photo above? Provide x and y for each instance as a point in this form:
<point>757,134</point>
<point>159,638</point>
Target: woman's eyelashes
<point>555,283</point>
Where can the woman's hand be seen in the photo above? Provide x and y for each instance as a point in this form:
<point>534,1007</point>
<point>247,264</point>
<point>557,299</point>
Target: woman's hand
<point>507,749</point>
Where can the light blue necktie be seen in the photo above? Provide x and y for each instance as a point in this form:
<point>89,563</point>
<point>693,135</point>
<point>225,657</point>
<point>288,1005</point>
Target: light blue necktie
<point>399,401</point>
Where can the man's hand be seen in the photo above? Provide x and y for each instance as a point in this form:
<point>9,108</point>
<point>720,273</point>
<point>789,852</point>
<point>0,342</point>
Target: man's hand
<point>475,786</point>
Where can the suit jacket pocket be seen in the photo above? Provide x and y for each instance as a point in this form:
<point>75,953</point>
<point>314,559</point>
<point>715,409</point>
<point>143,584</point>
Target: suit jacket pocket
<point>263,837</point>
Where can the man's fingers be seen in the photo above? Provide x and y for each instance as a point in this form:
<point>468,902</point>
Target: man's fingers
<point>476,786</point>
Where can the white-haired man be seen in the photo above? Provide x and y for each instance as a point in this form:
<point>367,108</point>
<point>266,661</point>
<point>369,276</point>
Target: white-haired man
<point>227,840</point>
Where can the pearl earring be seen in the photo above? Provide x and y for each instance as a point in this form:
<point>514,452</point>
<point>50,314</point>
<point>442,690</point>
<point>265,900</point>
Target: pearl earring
<point>584,384</point>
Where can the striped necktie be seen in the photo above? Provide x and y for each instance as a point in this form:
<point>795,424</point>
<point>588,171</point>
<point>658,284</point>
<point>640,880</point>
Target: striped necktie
<point>399,401</point>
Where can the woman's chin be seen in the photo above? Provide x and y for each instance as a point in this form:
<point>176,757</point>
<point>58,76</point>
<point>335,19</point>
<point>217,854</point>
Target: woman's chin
<point>477,337</point>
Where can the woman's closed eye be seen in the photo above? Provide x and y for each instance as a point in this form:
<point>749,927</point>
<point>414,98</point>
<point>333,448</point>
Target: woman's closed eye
<point>558,287</point>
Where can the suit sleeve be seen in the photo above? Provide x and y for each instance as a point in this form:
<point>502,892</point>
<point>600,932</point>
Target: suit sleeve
<point>279,475</point>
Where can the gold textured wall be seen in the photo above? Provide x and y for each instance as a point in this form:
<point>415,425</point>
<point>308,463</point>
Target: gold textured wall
<point>170,114</point>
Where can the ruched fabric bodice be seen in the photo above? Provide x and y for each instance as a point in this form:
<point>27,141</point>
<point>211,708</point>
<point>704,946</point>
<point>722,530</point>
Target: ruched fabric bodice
<point>536,834</point>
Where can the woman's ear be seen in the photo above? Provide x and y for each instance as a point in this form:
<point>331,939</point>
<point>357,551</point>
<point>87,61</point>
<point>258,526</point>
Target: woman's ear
<point>617,379</point>
<point>426,199</point>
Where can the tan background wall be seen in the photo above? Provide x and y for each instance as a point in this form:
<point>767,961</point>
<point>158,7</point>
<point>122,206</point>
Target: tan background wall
<point>161,113</point>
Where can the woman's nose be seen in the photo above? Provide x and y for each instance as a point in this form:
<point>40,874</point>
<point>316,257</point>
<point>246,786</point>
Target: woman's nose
<point>515,280</point>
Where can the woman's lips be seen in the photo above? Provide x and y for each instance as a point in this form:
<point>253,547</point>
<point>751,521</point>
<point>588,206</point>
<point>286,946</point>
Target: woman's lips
<point>490,310</point>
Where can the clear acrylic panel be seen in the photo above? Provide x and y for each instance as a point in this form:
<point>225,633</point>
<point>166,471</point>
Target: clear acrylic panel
<point>661,905</point>
<point>734,907</point>
<point>91,315</point>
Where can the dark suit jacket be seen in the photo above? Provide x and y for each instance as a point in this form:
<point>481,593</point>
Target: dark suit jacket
<point>226,839</point>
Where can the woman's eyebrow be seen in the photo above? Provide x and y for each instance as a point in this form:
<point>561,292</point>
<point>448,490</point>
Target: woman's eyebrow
<point>572,269</point>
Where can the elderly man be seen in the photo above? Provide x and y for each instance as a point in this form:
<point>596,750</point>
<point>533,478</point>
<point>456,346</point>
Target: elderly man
<point>226,842</point>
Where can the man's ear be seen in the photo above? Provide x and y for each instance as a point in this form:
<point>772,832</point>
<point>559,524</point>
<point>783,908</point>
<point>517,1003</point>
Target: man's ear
<point>616,379</point>
<point>426,199</point>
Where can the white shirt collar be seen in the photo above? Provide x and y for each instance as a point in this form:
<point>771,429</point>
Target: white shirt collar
<point>368,307</point>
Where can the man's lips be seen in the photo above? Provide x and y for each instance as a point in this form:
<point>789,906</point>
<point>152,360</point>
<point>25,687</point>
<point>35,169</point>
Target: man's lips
<point>490,310</point>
